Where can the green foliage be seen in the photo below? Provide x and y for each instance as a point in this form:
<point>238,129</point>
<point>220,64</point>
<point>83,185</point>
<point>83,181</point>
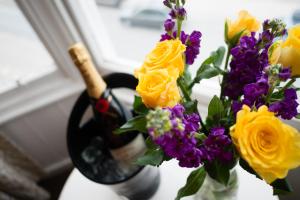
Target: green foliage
<point>218,56</point>
<point>138,106</point>
<point>235,39</point>
<point>226,33</point>
<point>297,116</point>
<point>150,144</point>
<point>218,171</point>
<point>191,106</point>
<point>281,187</point>
<point>193,183</point>
<point>135,124</point>
<point>152,157</point>
<point>215,108</point>
<point>210,67</point>
<point>216,113</point>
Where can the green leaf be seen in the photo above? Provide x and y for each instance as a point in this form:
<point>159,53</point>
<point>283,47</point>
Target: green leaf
<point>215,108</point>
<point>187,76</point>
<point>152,157</point>
<point>150,144</point>
<point>226,33</point>
<point>191,106</point>
<point>135,124</point>
<point>297,116</point>
<point>218,56</point>
<point>206,72</point>
<point>193,183</point>
<point>281,187</point>
<point>219,172</point>
<point>138,106</point>
<point>236,38</point>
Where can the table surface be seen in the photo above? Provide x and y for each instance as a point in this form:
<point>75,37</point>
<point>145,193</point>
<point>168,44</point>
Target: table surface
<point>172,178</point>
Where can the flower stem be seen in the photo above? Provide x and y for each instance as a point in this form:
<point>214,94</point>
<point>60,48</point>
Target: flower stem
<point>288,84</point>
<point>225,69</point>
<point>179,21</point>
<point>227,57</point>
<point>183,89</point>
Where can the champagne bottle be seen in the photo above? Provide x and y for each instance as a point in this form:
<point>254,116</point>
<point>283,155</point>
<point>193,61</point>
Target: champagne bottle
<point>124,149</point>
<point>108,111</point>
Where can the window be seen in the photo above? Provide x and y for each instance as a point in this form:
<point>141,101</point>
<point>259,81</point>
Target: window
<point>34,66</point>
<point>129,43</point>
<point>118,33</point>
<point>23,56</point>
<point>133,40</point>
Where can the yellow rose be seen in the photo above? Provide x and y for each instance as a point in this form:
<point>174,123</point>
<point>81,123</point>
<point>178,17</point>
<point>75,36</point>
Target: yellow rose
<point>274,52</point>
<point>168,55</point>
<point>269,146</point>
<point>158,89</point>
<point>244,22</point>
<point>287,53</point>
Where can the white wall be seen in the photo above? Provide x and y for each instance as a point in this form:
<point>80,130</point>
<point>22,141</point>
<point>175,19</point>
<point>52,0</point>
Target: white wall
<point>41,134</point>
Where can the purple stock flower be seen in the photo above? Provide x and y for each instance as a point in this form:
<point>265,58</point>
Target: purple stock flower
<point>174,132</point>
<point>178,13</point>
<point>287,108</point>
<point>250,58</point>
<point>285,73</point>
<point>173,14</point>
<point>169,25</point>
<point>192,43</point>
<point>193,47</point>
<point>215,145</point>
<point>165,36</point>
<point>236,106</point>
<point>167,3</point>
<point>254,92</point>
<point>181,13</point>
<point>247,64</point>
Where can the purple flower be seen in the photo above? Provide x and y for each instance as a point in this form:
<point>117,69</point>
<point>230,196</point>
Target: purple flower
<point>174,132</point>
<point>165,36</point>
<point>192,44</point>
<point>253,92</point>
<point>236,106</point>
<point>276,26</point>
<point>173,14</point>
<point>248,63</point>
<point>169,25</point>
<point>179,13</point>
<point>286,108</point>
<point>215,145</point>
<point>167,3</point>
<point>285,73</point>
<point>193,47</point>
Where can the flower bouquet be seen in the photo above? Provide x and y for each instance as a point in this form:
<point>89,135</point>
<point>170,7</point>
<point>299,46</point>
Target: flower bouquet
<point>243,124</point>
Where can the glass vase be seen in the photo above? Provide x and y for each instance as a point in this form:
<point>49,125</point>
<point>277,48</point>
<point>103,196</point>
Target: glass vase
<point>213,190</point>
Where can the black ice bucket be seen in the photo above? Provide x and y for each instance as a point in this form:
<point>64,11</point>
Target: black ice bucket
<point>79,137</point>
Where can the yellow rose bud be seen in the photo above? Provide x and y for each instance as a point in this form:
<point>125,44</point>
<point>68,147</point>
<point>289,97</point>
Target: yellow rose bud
<point>270,146</point>
<point>168,55</point>
<point>245,22</point>
<point>290,51</point>
<point>274,52</point>
<point>158,89</point>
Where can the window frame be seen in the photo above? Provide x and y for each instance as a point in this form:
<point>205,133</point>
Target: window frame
<point>56,33</point>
